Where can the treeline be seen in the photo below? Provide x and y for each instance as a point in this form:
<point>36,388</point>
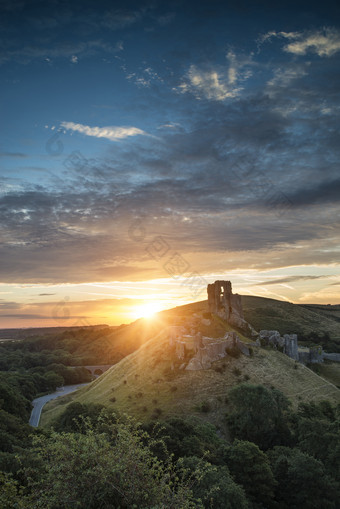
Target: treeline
<point>323,339</point>
<point>73,347</point>
<point>28,369</point>
<point>95,459</point>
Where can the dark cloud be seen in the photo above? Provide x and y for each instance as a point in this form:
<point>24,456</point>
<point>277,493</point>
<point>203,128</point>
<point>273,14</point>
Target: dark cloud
<point>321,193</point>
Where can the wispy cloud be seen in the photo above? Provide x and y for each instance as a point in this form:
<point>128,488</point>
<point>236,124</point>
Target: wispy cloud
<point>324,43</point>
<point>289,279</point>
<point>220,83</point>
<point>113,133</point>
<point>208,84</point>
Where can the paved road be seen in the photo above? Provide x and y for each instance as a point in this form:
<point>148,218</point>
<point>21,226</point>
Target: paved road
<point>38,403</point>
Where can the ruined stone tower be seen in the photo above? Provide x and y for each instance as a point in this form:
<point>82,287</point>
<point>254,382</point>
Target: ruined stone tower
<point>228,306</point>
<point>222,301</point>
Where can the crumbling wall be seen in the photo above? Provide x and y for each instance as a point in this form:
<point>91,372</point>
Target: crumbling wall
<point>288,344</point>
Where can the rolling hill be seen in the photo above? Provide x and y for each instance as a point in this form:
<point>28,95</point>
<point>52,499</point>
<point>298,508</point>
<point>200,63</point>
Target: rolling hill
<point>144,384</point>
<point>287,318</point>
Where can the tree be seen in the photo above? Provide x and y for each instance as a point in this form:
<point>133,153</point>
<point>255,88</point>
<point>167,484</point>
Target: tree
<point>302,480</point>
<point>213,484</point>
<point>250,467</point>
<point>103,470</point>
<point>259,415</point>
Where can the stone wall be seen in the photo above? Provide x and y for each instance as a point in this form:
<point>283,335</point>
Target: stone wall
<point>211,350</point>
<point>287,343</point>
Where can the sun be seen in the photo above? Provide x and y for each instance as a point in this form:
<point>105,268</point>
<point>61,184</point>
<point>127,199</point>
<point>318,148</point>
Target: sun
<point>147,310</point>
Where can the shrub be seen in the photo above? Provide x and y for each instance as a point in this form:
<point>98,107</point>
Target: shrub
<point>233,351</point>
<point>204,407</point>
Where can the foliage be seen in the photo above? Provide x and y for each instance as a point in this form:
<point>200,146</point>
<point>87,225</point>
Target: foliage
<point>11,494</point>
<point>259,415</point>
<point>186,437</point>
<point>74,416</point>
<point>103,470</point>
<point>213,484</point>
<point>250,467</point>
<point>302,480</point>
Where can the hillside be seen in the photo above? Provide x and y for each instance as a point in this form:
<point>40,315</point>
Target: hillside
<point>302,319</point>
<point>144,385</point>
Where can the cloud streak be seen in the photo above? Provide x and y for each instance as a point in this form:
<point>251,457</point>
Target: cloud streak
<point>112,133</point>
<point>324,43</point>
<point>289,279</point>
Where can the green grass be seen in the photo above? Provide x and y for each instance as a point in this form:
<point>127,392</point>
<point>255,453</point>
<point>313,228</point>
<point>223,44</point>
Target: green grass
<point>290,318</point>
<point>330,371</point>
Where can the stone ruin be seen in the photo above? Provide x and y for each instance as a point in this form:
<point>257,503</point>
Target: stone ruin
<point>228,306</point>
<point>287,343</point>
<point>204,350</point>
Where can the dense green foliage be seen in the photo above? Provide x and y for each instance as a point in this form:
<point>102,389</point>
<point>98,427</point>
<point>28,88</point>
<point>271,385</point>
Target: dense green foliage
<point>259,415</point>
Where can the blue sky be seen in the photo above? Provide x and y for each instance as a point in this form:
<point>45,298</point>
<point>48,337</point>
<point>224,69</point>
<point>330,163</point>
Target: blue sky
<point>148,148</point>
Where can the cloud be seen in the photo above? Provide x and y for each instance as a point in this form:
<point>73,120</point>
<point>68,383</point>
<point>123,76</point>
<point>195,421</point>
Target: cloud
<point>52,50</point>
<point>217,83</point>
<point>289,279</point>
<point>112,133</point>
<point>320,193</point>
<point>324,43</point>
<point>209,84</point>
<point>13,154</point>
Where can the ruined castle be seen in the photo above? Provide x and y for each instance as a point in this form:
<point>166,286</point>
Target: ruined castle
<point>228,306</point>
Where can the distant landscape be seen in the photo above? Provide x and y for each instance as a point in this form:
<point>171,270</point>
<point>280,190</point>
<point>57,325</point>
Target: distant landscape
<point>266,407</point>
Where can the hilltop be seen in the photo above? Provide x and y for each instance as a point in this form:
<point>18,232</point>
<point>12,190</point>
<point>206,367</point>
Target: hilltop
<point>144,384</point>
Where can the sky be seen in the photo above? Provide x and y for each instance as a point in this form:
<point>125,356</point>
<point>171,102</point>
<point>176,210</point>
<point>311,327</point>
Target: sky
<point>150,148</point>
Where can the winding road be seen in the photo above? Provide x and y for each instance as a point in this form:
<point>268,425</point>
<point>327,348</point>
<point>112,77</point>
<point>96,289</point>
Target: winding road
<point>38,403</point>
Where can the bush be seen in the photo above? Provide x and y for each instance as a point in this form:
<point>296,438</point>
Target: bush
<point>204,407</point>
<point>233,351</point>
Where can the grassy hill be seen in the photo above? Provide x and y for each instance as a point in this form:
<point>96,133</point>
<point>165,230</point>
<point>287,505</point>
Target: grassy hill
<point>287,318</point>
<point>144,385</point>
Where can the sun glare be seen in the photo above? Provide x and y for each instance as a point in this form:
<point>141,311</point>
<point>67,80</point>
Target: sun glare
<point>147,310</point>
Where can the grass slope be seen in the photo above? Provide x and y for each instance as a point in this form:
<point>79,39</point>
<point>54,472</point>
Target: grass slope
<point>289,318</point>
<point>143,384</point>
